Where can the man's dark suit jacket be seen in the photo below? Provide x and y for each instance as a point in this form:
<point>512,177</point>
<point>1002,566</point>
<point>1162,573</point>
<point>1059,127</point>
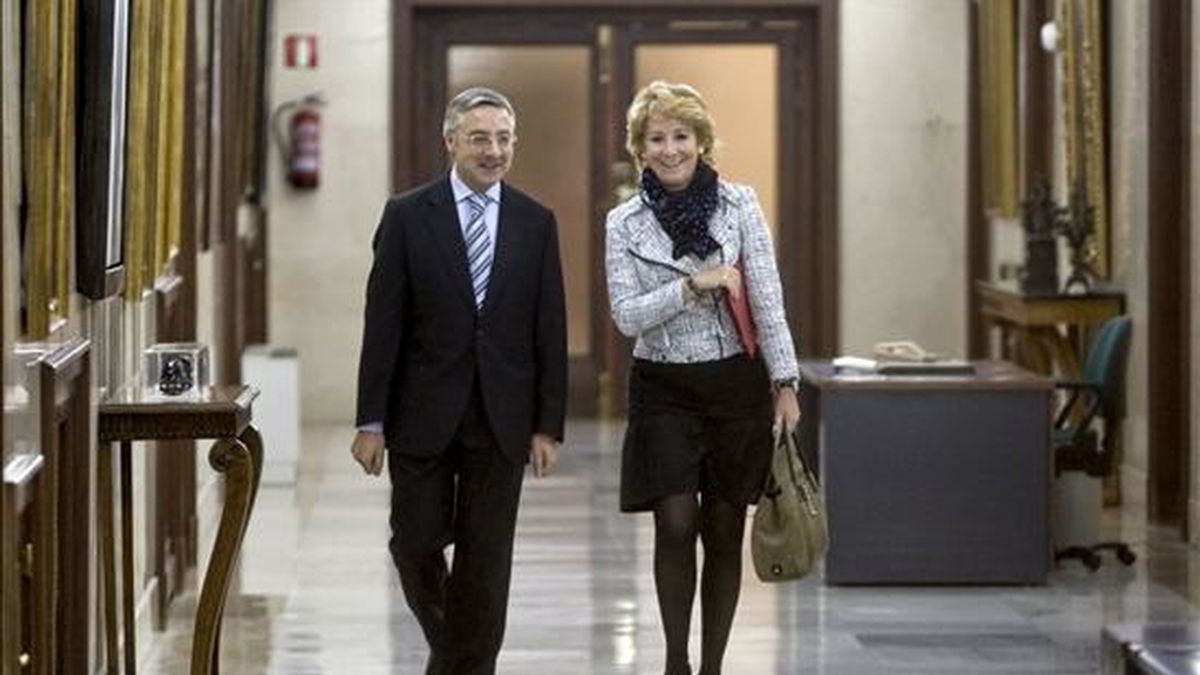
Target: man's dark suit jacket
<point>424,342</point>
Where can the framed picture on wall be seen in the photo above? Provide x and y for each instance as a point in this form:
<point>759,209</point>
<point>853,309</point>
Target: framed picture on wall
<point>997,58</point>
<point>1081,25</point>
<point>104,36</point>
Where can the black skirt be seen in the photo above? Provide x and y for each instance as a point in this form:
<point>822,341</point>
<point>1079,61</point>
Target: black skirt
<point>696,427</point>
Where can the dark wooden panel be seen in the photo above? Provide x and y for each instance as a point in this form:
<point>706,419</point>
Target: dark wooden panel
<point>238,165</point>
<point>1038,95</point>
<point>65,374</point>
<point>826,340</point>
<point>1169,253</point>
<point>254,265</point>
<point>978,241</point>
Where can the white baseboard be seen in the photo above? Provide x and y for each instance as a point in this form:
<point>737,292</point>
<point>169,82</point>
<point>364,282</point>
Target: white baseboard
<point>1134,481</point>
<point>144,611</point>
<point>209,499</point>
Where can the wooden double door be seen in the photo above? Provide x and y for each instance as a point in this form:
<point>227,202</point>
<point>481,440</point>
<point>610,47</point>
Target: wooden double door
<point>571,76</point>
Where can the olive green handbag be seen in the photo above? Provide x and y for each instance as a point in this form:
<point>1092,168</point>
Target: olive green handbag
<point>789,534</point>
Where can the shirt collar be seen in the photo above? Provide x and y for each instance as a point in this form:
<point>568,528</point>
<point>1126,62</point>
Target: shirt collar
<point>462,190</point>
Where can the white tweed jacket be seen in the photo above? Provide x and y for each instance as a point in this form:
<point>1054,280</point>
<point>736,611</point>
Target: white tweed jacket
<point>647,297</point>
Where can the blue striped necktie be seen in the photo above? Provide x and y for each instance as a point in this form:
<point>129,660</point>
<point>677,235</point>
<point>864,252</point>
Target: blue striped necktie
<point>479,246</point>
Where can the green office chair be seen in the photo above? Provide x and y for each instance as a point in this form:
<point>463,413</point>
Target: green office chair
<point>1077,446</point>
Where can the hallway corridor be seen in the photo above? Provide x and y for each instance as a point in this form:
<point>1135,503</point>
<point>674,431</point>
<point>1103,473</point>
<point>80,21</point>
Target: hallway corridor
<point>317,593</point>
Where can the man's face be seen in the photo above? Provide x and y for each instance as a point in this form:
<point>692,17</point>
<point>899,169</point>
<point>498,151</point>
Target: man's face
<point>482,146</point>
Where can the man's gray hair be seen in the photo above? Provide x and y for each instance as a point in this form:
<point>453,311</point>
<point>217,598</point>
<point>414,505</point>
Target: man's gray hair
<point>469,99</point>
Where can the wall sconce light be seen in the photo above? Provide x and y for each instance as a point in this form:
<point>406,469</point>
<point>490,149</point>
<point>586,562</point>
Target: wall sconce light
<point>1050,36</point>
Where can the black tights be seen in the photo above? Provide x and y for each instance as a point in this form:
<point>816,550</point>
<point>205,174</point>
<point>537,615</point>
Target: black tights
<point>677,521</point>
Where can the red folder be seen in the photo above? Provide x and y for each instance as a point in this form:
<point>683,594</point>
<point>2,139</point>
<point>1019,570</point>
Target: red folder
<point>742,319</point>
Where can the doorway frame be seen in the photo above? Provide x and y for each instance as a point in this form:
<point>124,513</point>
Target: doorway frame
<point>1170,493</point>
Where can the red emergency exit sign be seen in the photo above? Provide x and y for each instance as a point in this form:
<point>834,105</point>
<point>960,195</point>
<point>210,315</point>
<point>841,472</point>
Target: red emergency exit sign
<point>300,51</point>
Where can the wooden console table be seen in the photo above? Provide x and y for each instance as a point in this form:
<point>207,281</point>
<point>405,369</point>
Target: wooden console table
<point>221,413</point>
<point>1031,335</point>
<point>1031,324</point>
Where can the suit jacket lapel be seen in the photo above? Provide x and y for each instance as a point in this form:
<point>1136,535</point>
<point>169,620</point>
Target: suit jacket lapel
<point>508,241</point>
<point>724,230</point>
<point>447,232</point>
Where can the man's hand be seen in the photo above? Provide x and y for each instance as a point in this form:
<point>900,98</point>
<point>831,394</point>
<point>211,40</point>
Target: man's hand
<point>368,451</point>
<point>543,454</point>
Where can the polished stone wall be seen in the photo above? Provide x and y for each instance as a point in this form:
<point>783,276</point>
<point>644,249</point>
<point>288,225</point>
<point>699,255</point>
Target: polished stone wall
<point>1129,79</point>
<point>320,240</point>
<point>903,166</point>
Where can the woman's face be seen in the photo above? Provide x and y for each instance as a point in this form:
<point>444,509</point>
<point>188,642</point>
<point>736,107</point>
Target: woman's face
<point>670,150</point>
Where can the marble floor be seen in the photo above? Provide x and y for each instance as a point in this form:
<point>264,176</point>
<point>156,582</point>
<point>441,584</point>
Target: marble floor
<point>317,594</point>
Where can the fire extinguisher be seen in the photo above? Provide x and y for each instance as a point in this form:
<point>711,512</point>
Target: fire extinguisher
<point>300,145</point>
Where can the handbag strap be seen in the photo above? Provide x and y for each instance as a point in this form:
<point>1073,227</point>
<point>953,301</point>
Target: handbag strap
<point>798,468</point>
<point>799,458</point>
<point>782,444</point>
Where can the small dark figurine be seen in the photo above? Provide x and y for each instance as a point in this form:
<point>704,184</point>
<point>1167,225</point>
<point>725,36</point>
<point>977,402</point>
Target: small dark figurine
<point>175,376</point>
<point>1040,222</point>
<point>1076,228</point>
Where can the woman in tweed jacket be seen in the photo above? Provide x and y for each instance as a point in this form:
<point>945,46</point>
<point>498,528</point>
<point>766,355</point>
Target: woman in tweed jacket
<point>698,445</point>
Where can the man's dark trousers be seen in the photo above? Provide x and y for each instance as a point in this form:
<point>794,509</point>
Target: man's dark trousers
<point>467,495</point>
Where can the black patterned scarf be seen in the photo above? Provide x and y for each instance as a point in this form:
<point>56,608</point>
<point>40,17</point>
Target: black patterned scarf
<point>684,215</point>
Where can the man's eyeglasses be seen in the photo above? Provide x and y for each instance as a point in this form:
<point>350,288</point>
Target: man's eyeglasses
<point>482,141</point>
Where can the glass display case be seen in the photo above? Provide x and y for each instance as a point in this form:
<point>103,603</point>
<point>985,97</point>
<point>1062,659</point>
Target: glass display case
<point>175,370</point>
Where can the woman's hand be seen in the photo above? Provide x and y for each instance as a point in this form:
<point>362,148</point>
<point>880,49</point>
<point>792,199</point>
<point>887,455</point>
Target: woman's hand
<point>787,409</point>
<point>724,276</point>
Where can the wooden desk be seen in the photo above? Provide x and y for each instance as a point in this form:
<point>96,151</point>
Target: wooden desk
<point>932,479</point>
<point>221,413</point>
<point>1031,326</point>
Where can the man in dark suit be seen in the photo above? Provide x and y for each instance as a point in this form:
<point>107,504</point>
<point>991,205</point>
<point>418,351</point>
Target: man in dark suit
<point>462,378</point>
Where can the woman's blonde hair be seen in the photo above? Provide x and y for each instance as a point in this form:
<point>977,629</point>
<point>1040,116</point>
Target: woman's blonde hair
<point>671,101</point>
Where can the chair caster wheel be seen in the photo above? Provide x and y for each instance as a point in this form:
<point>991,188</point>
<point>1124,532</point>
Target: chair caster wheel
<point>1091,562</point>
<point>1126,556</point>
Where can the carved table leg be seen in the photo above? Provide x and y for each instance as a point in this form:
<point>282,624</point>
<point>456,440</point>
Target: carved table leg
<point>1063,354</point>
<point>1032,353</point>
<point>253,442</point>
<point>108,557</point>
<point>237,461</point>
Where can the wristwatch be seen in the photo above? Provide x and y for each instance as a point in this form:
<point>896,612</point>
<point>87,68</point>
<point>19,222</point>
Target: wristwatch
<point>792,383</point>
